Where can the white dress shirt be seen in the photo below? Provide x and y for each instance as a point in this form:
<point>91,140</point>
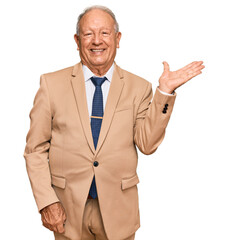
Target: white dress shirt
<point>90,88</point>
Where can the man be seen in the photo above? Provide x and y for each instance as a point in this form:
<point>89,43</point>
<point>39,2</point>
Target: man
<point>87,121</point>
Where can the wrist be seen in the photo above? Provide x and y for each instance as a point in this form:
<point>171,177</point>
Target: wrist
<point>166,90</point>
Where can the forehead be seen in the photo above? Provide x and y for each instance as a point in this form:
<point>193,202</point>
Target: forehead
<point>96,19</point>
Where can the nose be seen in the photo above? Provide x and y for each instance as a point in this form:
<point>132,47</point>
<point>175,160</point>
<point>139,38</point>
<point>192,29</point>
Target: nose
<point>97,39</point>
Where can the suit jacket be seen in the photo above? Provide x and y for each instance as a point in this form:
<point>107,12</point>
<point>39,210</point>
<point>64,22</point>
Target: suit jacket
<point>60,152</point>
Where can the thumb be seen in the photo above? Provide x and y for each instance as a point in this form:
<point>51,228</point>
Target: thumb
<point>166,66</point>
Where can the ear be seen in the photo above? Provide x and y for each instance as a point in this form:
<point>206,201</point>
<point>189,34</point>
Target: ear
<point>118,37</point>
<point>76,38</point>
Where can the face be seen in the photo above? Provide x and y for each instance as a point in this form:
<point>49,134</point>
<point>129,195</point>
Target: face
<point>97,40</point>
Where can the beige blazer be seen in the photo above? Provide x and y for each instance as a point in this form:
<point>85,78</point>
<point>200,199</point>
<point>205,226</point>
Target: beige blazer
<point>60,152</point>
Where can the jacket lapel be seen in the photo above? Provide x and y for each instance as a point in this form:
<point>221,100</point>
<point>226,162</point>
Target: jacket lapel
<point>78,84</point>
<point>113,96</point>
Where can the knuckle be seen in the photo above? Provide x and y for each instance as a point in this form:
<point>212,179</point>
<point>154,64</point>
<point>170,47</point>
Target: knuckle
<point>58,221</point>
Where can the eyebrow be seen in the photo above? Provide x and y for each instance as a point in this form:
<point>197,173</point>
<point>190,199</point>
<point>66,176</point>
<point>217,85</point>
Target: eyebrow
<point>103,28</point>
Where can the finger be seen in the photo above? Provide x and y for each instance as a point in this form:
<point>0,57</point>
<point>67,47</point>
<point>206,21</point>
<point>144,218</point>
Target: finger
<point>196,66</point>
<point>192,65</point>
<point>166,66</point>
<point>192,75</point>
<point>48,226</point>
<point>187,77</point>
<point>193,70</point>
<point>199,68</point>
<point>188,66</point>
<point>54,228</point>
<point>44,222</point>
<point>60,228</point>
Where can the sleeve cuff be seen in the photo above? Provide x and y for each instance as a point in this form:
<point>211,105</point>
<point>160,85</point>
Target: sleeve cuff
<point>165,93</point>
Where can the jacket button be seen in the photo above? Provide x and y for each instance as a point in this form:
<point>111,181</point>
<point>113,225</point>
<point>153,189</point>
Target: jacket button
<point>166,105</point>
<point>164,111</point>
<point>95,164</point>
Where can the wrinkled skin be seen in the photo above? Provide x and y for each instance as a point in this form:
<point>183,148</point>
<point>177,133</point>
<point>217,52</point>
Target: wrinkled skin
<point>53,217</point>
<point>169,81</point>
<point>97,41</point>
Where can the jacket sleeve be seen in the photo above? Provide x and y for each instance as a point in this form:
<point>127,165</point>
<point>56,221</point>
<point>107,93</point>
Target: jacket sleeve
<point>152,119</point>
<point>36,151</point>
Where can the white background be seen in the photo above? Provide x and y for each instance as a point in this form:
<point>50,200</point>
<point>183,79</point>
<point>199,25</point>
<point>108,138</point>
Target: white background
<point>183,186</point>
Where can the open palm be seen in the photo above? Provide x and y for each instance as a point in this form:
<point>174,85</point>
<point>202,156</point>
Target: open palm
<point>170,80</point>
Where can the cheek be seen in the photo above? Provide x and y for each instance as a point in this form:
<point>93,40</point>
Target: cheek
<point>111,45</point>
<point>84,51</point>
<point>84,44</point>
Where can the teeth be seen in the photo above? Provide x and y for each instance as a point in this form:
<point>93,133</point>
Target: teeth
<point>97,50</point>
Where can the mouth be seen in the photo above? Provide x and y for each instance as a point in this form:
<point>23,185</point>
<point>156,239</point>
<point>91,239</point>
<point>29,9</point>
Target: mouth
<point>97,50</point>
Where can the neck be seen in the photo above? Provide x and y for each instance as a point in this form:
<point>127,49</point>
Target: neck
<point>98,70</point>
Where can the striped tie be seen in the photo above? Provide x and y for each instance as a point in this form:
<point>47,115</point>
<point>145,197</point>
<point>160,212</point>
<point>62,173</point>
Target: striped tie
<point>96,120</point>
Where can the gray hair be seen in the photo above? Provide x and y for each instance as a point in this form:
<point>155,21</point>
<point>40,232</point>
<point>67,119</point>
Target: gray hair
<point>103,8</point>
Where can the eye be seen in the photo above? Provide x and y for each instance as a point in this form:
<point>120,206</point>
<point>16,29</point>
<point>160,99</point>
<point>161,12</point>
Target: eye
<point>88,34</point>
<point>105,33</point>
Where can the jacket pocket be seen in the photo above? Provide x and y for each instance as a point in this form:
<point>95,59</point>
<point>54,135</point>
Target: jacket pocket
<point>129,182</point>
<point>58,181</point>
<point>123,108</point>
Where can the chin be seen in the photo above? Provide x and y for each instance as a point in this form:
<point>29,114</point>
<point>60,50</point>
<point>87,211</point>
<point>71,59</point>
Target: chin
<point>98,62</point>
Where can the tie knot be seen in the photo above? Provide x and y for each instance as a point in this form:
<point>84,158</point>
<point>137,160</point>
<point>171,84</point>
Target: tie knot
<point>98,81</point>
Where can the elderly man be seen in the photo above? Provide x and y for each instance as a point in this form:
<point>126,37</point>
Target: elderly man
<point>86,122</point>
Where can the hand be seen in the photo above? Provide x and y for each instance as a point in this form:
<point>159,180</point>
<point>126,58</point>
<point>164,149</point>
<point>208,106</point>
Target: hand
<point>53,217</point>
<point>169,81</point>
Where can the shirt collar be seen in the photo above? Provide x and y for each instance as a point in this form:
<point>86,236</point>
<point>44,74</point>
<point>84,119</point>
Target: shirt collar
<point>88,73</point>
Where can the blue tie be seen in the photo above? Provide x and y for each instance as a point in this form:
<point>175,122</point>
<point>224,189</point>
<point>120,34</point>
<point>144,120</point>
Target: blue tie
<point>96,120</point>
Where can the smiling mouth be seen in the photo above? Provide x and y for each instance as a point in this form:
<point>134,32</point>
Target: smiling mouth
<point>97,50</point>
